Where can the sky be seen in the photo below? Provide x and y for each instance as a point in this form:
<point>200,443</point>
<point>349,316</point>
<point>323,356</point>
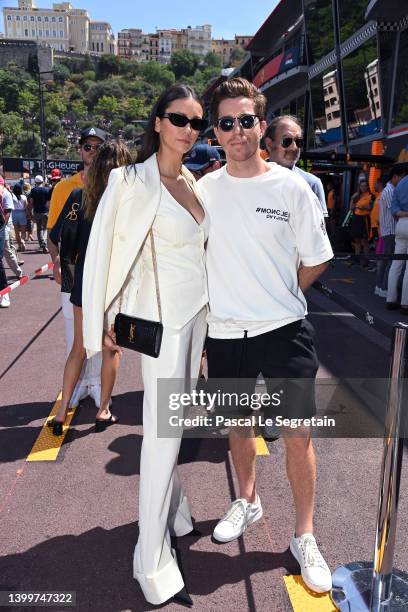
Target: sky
<point>227,17</point>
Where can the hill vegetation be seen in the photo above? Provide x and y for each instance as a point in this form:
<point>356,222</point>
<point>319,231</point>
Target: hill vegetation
<point>111,93</point>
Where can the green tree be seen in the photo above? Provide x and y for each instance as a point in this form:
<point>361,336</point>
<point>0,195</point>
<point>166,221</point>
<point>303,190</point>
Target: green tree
<point>184,63</point>
<point>107,106</point>
<point>61,73</point>
<point>157,74</point>
<point>107,66</point>
<point>79,109</point>
<point>55,105</point>
<point>104,88</point>
<point>28,144</point>
<point>212,60</point>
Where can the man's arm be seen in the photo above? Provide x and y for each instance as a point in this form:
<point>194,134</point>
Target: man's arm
<point>307,275</point>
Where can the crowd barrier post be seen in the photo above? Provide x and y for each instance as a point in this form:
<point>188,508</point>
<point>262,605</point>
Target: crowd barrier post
<point>377,587</point>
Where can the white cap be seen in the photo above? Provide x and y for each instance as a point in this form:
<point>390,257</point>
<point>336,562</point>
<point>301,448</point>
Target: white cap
<point>38,179</point>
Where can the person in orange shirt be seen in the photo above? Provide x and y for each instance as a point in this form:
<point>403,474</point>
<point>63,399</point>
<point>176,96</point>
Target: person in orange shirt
<point>375,212</point>
<point>361,204</point>
<point>89,383</point>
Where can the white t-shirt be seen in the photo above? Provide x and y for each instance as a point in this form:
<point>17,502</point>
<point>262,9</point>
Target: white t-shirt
<point>261,230</point>
<point>19,203</point>
<point>8,204</point>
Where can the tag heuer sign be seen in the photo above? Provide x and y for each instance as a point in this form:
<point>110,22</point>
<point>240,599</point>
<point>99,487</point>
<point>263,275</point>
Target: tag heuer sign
<point>34,166</point>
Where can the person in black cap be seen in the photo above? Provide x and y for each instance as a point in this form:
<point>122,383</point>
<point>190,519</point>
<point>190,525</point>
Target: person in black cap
<point>90,140</point>
<point>203,158</point>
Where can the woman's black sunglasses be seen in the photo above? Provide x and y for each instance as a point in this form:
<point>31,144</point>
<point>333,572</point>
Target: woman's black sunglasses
<point>247,122</point>
<point>180,120</point>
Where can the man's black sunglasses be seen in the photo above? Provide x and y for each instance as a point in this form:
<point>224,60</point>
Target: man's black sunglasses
<point>180,120</point>
<point>286,142</point>
<point>247,122</point>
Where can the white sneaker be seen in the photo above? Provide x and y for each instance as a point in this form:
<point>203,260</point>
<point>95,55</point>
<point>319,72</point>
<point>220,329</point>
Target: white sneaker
<point>80,392</point>
<point>314,569</point>
<point>5,301</point>
<point>240,514</point>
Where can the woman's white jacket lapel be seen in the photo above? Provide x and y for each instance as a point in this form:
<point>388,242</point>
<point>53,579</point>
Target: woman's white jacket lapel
<point>122,221</point>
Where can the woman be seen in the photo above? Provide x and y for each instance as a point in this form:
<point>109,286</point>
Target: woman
<point>85,202</point>
<point>157,193</point>
<point>361,204</point>
<point>19,215</point>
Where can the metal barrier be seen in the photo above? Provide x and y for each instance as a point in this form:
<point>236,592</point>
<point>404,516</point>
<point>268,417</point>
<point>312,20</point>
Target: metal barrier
<point>376,587</point>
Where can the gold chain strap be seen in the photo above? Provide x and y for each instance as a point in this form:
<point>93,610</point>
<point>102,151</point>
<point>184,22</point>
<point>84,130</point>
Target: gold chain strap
<point>156,279</point>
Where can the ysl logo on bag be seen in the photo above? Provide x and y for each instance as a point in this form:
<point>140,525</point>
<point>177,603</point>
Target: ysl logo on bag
<point>132,331</point>
<point>72,215</point>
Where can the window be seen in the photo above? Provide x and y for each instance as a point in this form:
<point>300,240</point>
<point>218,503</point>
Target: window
<point>93,46</point>
<point>374,80</point>
<point>18,18</point>
<point>60,19</point>
<point>61,34</point>
<point>8,17</point>
<point>327,103</point>
<point>53,19</point>
<point>32,18</point>
<point>47,33</point>
<point>39,18</point>
<point>101,46</point>
<point>39,32</point>
<point>97,47</point>
<point>33,33</point>
<point>54,34</point>
<point>377,105</point>
<point>336,114</point>
<point>26,32</point>
<point>25,18</point>
<point>375,91</point>
<point>329,116</point>
<point>330,89</point>
<point>45,18</point>
<point>333,101</point>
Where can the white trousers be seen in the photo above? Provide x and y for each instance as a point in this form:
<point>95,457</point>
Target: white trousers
<point>163,508</point>
<point>397,266</point>
<point>91,370</point>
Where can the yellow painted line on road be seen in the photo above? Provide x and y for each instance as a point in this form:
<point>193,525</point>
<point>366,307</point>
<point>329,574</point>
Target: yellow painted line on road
<point>261,447</point>
<point>305,600</point>
<point>47,446</point>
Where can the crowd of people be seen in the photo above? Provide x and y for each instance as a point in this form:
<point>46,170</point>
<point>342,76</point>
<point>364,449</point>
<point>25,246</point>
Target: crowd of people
<point>221,257</point>
<point>20,206</point>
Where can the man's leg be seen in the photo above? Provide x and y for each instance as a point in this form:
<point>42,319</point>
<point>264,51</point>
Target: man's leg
<point>10,256</point>
<point>243,453</point>
<point>237,359</point>
<point>301,471</point>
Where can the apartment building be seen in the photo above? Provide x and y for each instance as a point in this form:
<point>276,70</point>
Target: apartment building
<point>133,44</point>
<point>224,47</point>
<point>63,27</point>
<point>101,38</point>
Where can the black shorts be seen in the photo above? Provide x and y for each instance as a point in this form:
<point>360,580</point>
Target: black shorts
<point>360,227</point>
<point>287,359</point>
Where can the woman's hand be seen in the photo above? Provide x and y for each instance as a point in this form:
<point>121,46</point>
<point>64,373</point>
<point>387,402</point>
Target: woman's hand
<point>57,270</point>
<point>109,341</point>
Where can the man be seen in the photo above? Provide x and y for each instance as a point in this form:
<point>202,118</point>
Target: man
<point>9,250</point>
<point>387,231</point>
<point>5,299</point>
<point>283,140</point>
<point>38,209</point>
<point>399,208</point>
<point>267,245</point>
<point>55,178</point>
<point>203,158</point>
<point>90,140</point>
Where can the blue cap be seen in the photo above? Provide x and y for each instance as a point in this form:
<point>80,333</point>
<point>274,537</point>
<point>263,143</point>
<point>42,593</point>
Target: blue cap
<point>201,156</point>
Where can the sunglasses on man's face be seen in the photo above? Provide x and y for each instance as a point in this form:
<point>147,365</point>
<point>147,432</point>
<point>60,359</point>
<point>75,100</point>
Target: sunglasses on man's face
<point>90,147</point>
<point>180,120</point>
<point>286,142</point>
<point>247,122</point>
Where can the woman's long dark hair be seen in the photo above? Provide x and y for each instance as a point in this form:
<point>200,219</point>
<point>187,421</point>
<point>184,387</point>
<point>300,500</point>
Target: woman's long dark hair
<point>111,154</point>
<point>151,138</point>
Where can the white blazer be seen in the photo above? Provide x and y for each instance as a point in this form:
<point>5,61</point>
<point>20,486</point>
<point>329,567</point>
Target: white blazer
<point>122,221</point>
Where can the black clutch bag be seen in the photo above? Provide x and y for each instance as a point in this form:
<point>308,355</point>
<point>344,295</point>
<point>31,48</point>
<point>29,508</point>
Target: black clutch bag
<point>137,334</point>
